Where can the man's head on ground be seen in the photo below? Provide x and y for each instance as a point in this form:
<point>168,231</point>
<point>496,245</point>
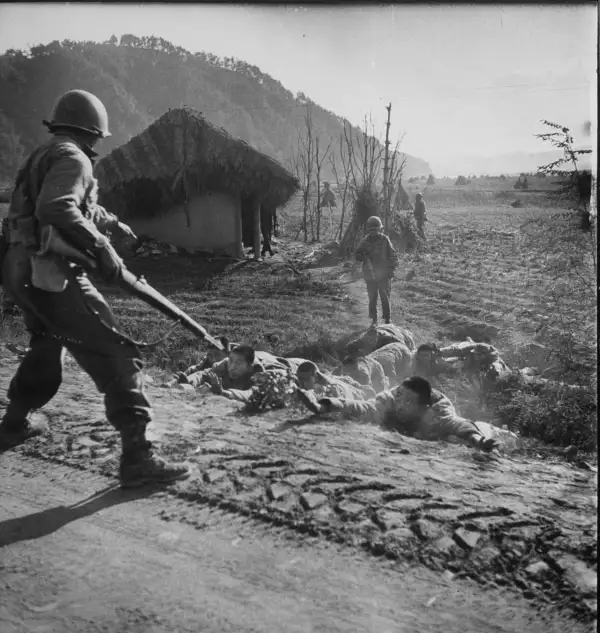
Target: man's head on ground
<point>363,345</point>
<point>414,393</point>
<point>412,399</point>
<point>480,357</point>
<point>354,350</point>
<point>307,375</point>
<point>240,361</point>
<point>426,355</point>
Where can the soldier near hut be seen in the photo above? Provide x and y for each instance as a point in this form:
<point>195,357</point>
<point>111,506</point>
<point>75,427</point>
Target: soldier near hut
<point>267,227</point>
<point>420,214</point>
<point>380,261</point>
<point>61,307</point>
<point>328,197</point>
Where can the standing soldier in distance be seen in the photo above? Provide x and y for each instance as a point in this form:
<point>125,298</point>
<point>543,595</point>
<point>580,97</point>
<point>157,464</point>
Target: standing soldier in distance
<point>420,214</point>
<point>380,261</point>
<point>61,307</point>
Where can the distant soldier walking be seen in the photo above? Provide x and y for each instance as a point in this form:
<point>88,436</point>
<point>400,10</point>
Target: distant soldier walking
<point>420,214</point>
<point>61,307</point>
<point>380,260</point>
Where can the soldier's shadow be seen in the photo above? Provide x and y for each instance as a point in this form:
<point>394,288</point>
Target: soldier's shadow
<point>45,522</point>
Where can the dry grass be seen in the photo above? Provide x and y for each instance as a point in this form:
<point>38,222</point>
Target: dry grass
<point>482,276</point>
<point>249,305</point>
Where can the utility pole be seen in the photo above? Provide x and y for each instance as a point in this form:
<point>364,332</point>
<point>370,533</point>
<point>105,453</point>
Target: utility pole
<point>386,210</point>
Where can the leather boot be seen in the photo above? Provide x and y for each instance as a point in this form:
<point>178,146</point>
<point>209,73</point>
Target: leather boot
<point>140,465</point>
<point>16,427</point>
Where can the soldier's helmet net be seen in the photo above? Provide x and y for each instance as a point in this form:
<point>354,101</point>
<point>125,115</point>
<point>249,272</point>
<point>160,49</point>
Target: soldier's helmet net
<point>80,110</point>
<point>373,223</point>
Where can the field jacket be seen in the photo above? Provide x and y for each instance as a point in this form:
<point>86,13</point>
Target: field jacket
<point>436,422</point>
<point>56,187</point>
<point>378,256</point>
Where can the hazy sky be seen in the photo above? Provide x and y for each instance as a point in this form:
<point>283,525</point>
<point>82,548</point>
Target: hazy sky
<point>463,80</point>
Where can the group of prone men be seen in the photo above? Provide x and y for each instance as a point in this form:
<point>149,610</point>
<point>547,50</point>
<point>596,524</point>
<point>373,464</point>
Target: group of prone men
<point>385,379</point>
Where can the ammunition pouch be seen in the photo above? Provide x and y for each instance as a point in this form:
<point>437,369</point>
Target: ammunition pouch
<point>49,272</point>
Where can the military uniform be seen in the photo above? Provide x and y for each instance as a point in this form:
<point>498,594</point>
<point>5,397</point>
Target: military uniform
<point>438,421</point>
<point>380,261</point>
<point>63,310</point>
<point>420,214</point>
<point>221,369</point>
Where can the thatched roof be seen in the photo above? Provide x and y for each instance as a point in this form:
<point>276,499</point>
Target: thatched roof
<point>181,154</point>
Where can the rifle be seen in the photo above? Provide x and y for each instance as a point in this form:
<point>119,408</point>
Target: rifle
<point>52,241</point>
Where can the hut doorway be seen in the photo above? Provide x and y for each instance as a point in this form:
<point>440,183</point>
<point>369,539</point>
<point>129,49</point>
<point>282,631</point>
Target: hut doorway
<point>247,223</point>
<point>268,219</point>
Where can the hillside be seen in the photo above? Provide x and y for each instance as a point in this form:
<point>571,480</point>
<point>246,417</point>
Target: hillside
<point>139,80</point>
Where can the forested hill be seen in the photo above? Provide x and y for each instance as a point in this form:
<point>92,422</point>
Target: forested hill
<point>139,79</point>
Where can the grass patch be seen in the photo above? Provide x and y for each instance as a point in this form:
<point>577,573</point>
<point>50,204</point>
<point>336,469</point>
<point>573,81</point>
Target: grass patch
<point>287,316</point>
<point>551,412</point>
<point>281,314</point>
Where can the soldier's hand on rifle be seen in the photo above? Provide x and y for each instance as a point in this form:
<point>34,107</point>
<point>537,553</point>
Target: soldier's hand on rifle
<point>110,265</point>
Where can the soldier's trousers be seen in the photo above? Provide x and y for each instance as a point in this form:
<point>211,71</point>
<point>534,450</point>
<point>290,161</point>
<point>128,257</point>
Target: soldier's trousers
<point>79,320</point>
<point>379,289</point>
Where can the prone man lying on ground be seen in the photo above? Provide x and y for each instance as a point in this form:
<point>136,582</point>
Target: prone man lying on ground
<point>235,376</point>
<point>413,408</point>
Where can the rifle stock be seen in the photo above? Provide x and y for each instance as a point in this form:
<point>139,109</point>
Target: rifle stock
<point>53,242</point>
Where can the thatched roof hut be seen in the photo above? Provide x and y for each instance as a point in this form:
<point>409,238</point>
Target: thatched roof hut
<point>181,155</point>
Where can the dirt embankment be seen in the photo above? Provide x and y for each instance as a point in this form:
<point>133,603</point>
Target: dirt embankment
<point>529,526</point>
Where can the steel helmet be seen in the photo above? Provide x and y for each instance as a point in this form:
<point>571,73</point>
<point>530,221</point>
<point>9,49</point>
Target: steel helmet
<point>374,223</point>
<point>419,195</point>
<point>80,110</point>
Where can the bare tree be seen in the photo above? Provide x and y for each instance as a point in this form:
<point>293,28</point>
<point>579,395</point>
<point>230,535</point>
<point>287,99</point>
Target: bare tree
<point>365,155</point>
<point>319,160</point>
<point>365,163</point>
<point>305,160</point>
<point>343,186</point>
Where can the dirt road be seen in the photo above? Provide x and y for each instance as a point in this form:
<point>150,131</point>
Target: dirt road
<point>330,526</point>
<point>77,555</point>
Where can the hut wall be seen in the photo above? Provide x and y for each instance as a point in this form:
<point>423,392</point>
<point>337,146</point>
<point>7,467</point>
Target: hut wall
<point>210,222</point>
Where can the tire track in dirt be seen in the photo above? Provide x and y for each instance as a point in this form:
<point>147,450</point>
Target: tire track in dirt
<point>237,574</point>
<point>377,505</point>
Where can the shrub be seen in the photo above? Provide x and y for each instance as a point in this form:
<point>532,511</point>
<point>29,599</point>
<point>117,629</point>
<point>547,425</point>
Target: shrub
<point>552,412</point>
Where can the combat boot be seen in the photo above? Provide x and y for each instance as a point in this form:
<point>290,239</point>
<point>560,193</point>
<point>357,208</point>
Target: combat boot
<point>16,427</point>
<point>140,465</point>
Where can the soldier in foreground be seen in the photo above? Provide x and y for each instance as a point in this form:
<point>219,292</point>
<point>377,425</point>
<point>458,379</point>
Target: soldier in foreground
<point>61,307</point>
<point>380,261</point>
<point>413,408</point>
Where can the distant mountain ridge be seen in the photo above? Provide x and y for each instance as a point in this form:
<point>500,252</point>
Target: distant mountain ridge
<point>139,79</point>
